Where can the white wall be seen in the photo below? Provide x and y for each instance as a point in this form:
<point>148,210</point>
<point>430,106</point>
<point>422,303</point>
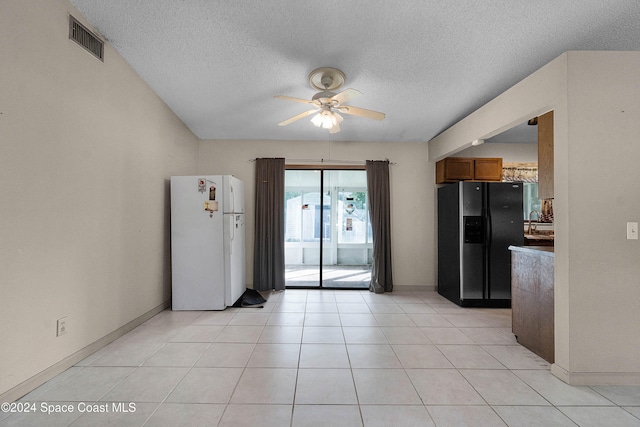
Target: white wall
<point>87,149</point>
<point>412,192</point>
<point>594,96</point>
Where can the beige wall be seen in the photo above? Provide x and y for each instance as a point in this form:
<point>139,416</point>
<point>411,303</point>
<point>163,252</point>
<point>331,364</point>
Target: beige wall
<point>597,271</point>
<point>86,150</point>
<point>412,192</point>
<point>604,267</point>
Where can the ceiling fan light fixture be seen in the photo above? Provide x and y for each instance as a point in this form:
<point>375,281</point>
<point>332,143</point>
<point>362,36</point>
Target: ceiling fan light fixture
<point>327,120</point>
<point>326,103</point>
<point>317,120</point>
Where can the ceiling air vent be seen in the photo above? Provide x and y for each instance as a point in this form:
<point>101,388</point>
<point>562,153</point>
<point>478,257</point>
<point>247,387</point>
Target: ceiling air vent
<point>85,38</point>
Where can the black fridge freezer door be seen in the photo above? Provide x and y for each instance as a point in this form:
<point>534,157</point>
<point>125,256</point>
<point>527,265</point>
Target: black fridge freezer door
<point>473,229</point>
<point>472,263</point>
<point>473,254</point>
<point>505,227</point>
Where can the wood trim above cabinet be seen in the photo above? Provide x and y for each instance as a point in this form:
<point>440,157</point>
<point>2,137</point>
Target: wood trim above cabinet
<point>545,156</point>
<point>454,169</point>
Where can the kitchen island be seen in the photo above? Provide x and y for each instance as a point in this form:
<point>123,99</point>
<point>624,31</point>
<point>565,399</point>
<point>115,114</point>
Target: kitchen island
<point>532,269</point>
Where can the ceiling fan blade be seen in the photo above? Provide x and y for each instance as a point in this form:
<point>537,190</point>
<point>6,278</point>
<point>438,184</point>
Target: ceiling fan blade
<point>362,112</point>
<point>298,117</point>
<point>346,95</point>
<point>291,98</point>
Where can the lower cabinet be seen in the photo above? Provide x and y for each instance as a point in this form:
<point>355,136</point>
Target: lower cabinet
<point>532,299</point>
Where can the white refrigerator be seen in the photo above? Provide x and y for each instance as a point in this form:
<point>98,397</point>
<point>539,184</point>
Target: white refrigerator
<point>207,242</point>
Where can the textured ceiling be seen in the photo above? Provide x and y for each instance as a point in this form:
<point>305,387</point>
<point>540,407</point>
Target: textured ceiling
<point>426,64</point>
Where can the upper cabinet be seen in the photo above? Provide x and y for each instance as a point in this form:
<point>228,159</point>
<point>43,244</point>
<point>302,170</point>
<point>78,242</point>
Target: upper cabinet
<point>545,156</point>
<point>487,169</point>
<point>453,169</point>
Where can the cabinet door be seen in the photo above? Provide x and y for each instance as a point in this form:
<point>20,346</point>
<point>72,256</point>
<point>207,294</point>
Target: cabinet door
<point>454,169</point>
<point>458,169</point>
<point>545,156</point>
<point>489,169</point>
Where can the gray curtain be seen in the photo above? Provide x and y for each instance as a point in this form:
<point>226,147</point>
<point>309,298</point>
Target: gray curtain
<point>268,255</point>
<point>380,214</point>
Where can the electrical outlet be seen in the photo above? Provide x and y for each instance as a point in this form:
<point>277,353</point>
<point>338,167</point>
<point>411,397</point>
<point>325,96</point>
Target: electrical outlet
<point>632,231</point>
<point>61,326</point>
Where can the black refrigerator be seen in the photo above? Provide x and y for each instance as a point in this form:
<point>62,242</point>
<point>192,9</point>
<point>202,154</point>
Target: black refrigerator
<point>477,222</point>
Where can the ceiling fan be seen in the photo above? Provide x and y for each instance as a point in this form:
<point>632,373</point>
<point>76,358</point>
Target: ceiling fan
<point>328,104</point>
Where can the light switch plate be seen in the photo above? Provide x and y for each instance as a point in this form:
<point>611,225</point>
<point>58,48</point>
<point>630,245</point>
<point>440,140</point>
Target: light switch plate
<point>632,231</point>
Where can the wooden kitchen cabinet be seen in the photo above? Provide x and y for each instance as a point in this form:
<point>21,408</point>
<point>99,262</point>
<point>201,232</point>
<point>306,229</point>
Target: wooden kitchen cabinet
<point>532,299</point>
<point>545,156</point>
<point>489,169</point>
<point>454,169</point>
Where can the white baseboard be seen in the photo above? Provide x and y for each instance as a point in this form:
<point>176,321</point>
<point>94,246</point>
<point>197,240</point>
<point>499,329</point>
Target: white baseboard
<point>596,378</point>
<point>561,373</point>
<point>37,380</point>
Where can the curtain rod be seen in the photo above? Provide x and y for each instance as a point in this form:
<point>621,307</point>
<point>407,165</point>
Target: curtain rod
<point>356,162</point>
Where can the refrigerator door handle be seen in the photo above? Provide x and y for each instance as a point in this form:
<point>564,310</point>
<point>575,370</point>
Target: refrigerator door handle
<point>233,198</point>
<point>232,233</point>
<point>488,238</point>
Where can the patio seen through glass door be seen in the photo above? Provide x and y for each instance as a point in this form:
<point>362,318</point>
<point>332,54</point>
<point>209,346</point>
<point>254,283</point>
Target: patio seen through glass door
<point>328,239</point>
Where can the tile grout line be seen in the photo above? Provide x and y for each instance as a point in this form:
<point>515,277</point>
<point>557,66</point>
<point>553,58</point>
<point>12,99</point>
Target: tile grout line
<point>295,387</point>
<point>353,377</point>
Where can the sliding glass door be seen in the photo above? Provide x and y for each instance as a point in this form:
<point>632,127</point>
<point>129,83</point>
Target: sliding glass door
<point>303,218</point>
<point>328,239</point>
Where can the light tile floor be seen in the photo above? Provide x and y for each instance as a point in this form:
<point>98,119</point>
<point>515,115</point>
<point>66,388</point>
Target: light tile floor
<point>324,358</point>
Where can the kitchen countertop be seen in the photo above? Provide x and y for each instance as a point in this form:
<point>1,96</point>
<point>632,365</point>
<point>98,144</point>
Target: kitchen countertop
<point>539,236</point>
<point>540,250</point>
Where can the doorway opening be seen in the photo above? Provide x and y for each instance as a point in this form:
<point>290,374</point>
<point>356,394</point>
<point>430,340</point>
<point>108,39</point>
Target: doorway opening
<point>328,237</point>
